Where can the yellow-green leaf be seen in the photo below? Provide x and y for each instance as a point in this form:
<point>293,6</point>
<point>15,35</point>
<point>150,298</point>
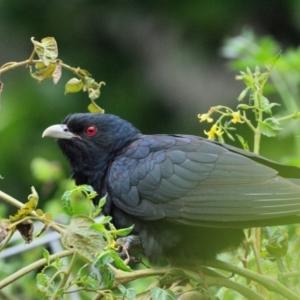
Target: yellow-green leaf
<point>94,108</point>
<point>278,244</point>
<point>74,85</point>
<point>43,74</point>
<point>28,207</point>
<point>46,49</point>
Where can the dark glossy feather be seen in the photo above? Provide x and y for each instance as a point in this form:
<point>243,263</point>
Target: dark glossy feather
<point>197,182</point>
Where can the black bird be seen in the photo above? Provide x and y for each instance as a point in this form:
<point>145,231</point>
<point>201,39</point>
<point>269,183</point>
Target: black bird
<point>187,197</point>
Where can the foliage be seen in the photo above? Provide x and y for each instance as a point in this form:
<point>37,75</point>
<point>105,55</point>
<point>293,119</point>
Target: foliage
<point>49,66</point>
<point>267,266</point>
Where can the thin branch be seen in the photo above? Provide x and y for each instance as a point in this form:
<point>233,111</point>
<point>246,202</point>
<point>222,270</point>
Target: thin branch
<point>124,277</point>
<point>14,202</point>
<point>66,276</point>
<point>268,282</point>
<point>13,65</point>
<point>230,284</point>
<point>38,264</point>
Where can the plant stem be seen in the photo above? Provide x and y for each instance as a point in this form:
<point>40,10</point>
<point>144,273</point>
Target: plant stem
<point>13,65</point>
<point>123,277</point>
<point>255,234</point>
<point>38,264</point>
<point>66,276</point>
<point>14,202</point>
<point>295,115</point>
<point>230,284</point>
<point>257,138</point>
<point>268,282</point>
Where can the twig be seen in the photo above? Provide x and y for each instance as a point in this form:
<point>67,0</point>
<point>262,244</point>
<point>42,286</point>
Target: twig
<point>243,290</point>
<point>66,276</point>
<point>268,282</point>
<point>31,267</point>
<point>14,202</point>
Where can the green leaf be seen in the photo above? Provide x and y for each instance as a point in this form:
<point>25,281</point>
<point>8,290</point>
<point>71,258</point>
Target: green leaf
<point>123,231</point>
<point>248,79</point>
<point>107,276</point>
<point>46,255</point>
<point>229,135</point>
<point>243,106</point>
<point>129,293</point>
<point>45,286</point>
<point>105,219</point>
<point>160,294</point>
<point>66,203</point>
<point>57,263</point>
<point>74,85</point>
<point>273,61</point>
<point>243,94</point>
<point>267,106</point>
<point>243,142</point>
<point>278,243</point>
<point>81,191</point>
<point>98,227</point>
<point>269,127</point>
<point>102,201</point>
<point>103,259</point>
<point>111,257</point>
<point>81,237</point>
<point>87,188</point>
<point>89,280</point>
<point>91,193</point>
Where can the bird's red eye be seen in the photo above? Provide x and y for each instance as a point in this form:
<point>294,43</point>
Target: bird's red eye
<point>91,130</point>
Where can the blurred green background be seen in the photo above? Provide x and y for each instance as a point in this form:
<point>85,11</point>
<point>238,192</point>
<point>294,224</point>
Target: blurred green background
<point>160,60</point>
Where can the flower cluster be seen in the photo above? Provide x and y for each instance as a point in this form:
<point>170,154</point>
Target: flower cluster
<point>214,131</point>
<point>219,127</point>
<point>205,117</point>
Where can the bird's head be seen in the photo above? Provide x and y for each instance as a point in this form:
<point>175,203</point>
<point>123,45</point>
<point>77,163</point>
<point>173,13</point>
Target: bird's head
<point>89,139</point>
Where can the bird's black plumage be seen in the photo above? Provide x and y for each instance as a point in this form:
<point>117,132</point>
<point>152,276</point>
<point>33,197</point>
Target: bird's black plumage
<point>186,196</point>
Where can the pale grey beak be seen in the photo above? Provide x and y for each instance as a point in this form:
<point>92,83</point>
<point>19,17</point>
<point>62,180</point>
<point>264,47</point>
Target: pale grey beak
<point>59,131</point>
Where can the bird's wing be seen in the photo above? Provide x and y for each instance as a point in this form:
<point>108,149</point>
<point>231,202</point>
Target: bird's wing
<point>190,180</point>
